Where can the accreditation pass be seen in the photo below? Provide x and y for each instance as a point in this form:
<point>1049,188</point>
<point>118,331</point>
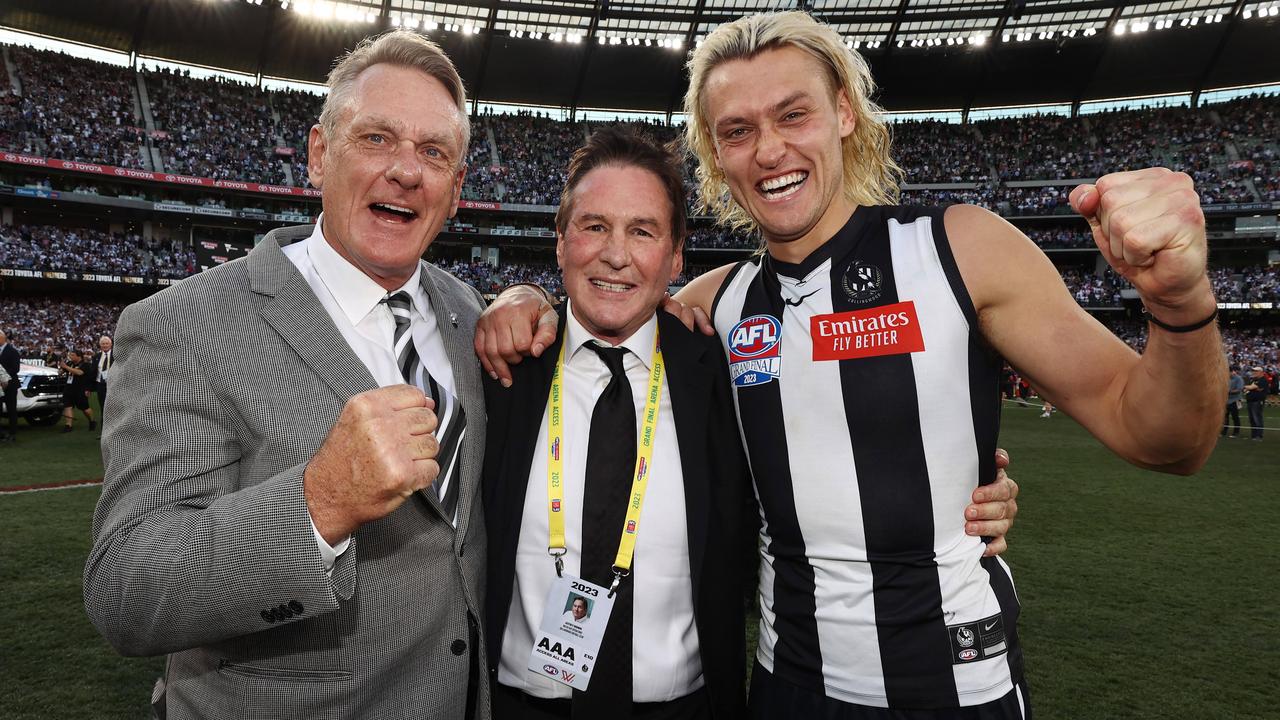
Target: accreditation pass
<point>573,623</point>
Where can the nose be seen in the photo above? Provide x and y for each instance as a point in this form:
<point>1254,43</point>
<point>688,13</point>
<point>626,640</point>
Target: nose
<point>404,168</point>
<point>615,252</point>
<point>769,147</point>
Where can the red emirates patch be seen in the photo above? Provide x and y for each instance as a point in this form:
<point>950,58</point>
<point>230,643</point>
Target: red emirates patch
<point>886,330</point>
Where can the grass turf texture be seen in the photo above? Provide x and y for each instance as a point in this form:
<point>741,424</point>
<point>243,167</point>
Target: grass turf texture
<point>1144,595</point>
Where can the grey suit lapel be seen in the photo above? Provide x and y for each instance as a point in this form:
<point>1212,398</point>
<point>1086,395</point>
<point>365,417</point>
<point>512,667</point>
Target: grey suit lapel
<point>293,310</point>
<point>458,348</point>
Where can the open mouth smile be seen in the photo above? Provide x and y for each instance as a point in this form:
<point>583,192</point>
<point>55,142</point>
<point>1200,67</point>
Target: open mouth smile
<point>393,213</point>
<point>783,186</point>
<point>612,287</point>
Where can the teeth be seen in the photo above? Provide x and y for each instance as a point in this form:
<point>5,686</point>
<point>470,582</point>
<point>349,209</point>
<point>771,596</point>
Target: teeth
<point>774,183</point>
<point>612,287</point>
<point>395,209</point>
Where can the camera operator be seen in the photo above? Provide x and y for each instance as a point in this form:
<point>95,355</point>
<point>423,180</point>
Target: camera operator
<point>81,378</point>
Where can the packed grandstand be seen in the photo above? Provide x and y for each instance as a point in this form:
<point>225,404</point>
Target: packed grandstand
<point>123,178</point>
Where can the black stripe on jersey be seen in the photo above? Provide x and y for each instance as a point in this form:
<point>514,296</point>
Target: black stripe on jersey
<point>984,397</point>
<point>797,655</point>
<point>880,400</point>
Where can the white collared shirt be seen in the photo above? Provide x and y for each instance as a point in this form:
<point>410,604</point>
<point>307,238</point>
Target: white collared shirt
<point>103,359</point>
<point>666,664</point>
<point>354,302</point>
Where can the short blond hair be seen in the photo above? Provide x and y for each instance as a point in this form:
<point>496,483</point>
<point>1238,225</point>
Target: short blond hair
<point>871,177</point>
<point>402,48</point>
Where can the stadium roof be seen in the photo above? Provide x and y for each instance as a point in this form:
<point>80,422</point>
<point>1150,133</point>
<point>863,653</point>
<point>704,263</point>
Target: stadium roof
<point>628,54</point>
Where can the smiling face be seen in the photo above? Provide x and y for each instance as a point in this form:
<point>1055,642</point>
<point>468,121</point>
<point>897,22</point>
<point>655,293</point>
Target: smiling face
<point>579,608</point>
<point>104,343</point>
<point>777,127</point>
<point>616,251</point>
<point>391,173</point>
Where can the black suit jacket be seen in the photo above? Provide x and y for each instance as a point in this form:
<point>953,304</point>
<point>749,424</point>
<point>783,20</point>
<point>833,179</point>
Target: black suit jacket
<point>718,498</point>
<point>11,361</point>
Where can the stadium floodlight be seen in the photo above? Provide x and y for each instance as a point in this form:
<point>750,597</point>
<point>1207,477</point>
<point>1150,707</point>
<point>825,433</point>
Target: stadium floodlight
<point>574,38</point>
<point>1090,31</point>
<point>1120,29</point>
<point>371,18</point>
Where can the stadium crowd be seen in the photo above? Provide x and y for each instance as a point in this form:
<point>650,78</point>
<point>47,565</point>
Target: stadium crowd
<point>43,324</point>
<point>90,111</point>
<point>195,118</point>
<point>490,280</point>
<point>84,250</point>
<point>72,109</point>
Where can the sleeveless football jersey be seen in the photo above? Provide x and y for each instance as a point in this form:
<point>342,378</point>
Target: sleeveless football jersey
<point>869,406</point>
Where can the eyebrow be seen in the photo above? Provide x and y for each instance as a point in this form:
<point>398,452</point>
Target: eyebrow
<point>597,217</point>
<point>399,128</point>
<point>773,109</point>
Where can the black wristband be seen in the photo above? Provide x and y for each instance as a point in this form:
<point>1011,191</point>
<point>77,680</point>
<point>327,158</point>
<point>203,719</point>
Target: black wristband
<point>1180,328</point>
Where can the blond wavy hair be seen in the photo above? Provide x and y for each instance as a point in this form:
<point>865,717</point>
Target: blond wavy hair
<point>871,177</point>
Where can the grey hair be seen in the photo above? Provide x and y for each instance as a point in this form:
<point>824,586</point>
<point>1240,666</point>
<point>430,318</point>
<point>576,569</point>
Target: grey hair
<point>403,48</point>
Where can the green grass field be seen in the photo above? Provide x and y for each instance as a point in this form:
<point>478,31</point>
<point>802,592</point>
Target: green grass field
<point>1144,596</point>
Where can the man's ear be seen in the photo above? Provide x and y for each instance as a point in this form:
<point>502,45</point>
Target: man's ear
<point>677,263</point>
<point>844,111</point>
<point>316,147</point>
<point>459,178</point>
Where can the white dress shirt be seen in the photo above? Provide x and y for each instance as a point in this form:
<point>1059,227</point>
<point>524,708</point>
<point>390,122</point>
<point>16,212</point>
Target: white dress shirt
<point>103,360</point>
<point>353,301</point>
<point>664,657</point>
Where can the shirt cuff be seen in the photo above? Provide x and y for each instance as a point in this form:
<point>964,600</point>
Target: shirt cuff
<point>328,553</point>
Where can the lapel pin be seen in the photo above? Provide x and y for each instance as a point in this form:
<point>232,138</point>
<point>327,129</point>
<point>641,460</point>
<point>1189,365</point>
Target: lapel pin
<point>453,318</point>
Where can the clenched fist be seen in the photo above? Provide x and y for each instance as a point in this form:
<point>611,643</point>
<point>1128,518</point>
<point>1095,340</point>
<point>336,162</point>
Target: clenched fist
<point>381,451</point>
<point>1149,226</point>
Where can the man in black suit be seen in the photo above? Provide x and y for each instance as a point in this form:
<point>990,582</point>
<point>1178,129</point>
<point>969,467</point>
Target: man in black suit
<point>673,646</point>
<point>11,361</point>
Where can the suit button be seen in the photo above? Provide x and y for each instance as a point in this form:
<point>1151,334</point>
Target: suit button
<point>269,616</point>
<point>296,607</point>
<point>458,647</point>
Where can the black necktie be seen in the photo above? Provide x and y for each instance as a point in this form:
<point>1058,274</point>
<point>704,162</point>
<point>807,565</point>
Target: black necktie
<point>449,414</point>
<point>611,460</point>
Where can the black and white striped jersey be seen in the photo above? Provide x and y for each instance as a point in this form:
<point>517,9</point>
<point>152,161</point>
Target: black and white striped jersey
<point>869,407</point>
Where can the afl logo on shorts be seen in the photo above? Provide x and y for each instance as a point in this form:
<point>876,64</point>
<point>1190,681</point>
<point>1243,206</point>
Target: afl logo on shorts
<point>755,350</point>
<point>862,282</point>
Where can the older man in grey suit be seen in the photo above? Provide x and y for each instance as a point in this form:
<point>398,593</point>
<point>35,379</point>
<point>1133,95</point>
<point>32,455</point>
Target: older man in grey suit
<point>290,509</point>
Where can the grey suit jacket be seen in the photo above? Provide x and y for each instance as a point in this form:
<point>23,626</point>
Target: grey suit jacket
<point>203,546</point>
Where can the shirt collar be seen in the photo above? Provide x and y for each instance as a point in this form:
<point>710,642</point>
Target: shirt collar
<point>356,293</point>
<point>640,343</point>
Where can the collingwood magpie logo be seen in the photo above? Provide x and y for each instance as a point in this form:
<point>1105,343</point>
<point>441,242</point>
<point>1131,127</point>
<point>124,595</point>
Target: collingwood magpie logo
<point>964,636</point>
<point>862,282</point>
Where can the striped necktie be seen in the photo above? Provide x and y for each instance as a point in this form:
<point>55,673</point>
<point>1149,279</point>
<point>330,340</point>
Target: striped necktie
<point>452,418</point>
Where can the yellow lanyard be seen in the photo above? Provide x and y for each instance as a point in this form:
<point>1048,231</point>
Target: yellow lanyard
<point>640,478</point>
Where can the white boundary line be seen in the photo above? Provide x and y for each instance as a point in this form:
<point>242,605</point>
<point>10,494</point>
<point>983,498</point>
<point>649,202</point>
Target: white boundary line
<point>4,492</point>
